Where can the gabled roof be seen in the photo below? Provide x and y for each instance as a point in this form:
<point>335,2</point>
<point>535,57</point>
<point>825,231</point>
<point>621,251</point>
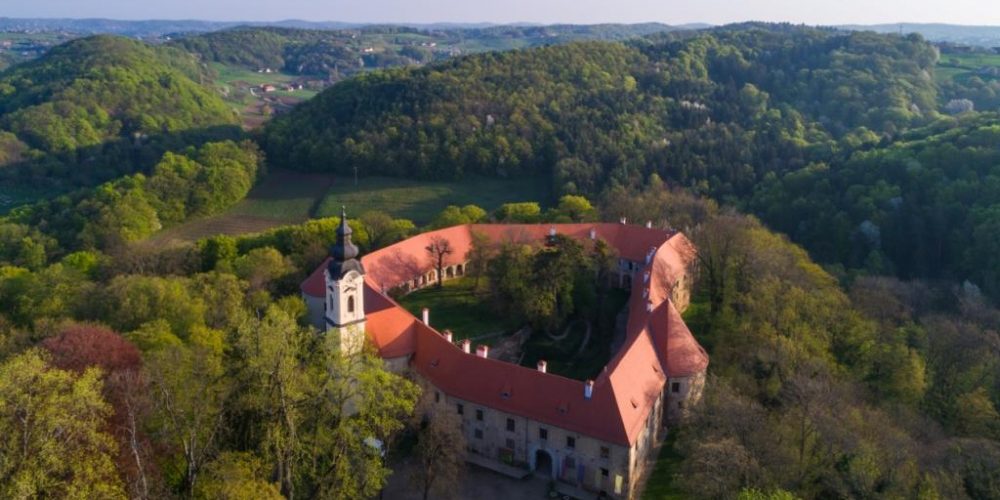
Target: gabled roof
<point>658,344</point>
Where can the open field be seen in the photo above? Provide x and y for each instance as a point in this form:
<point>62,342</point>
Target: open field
<point>281,198</point>
<point>454,307</point>
<point>960,66</point>
<point>421,201</point>
<point>286,197</point>
<point>241,88</point>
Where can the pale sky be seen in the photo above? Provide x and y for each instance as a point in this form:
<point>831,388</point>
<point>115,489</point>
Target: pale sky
<point>825,12</point>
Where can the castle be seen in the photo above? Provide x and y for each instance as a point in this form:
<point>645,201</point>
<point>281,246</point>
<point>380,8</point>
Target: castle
<point>592,436</point>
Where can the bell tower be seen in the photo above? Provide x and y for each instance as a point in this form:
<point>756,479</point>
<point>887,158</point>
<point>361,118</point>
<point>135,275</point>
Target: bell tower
<point>345,296</point>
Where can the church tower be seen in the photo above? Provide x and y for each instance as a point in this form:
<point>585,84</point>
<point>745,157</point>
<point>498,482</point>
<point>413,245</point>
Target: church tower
<point>345,296</point>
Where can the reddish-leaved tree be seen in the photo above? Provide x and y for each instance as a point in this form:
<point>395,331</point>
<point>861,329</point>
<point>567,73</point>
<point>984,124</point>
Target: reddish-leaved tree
<point>80,346</point>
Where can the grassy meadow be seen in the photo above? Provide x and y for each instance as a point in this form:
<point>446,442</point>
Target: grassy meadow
<point>421,201</point>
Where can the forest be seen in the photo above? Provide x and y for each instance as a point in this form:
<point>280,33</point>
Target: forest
<point>837,125</point>
<point>846,223</point>
<point>97,108</point>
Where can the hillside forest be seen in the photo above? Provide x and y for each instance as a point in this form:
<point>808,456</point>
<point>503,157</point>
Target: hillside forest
<point>846,212</point>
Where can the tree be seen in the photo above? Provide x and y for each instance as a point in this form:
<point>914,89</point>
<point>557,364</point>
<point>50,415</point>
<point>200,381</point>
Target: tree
<point>80,347</point>
<point>379,226</point>
<point>262,268</point>
<point>51,439</point>
<point>478,257</point>
<point>439,248</point>
<point>266,362</point>
<point>359,405</point>
<point>573,208</point>
<point>722,246</point>
<point>236,476</point>
<point>188,391</point>
<point>439,454</point>
<point>526,212</point>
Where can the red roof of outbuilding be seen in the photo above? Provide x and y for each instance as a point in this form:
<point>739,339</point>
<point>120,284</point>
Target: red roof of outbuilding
<point>658,344</point>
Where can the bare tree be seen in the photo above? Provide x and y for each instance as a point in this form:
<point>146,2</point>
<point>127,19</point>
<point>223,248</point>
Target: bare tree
<point>723,243</point>
<point>478,257</point>
<point>439,248</point>
<point>439,454</point>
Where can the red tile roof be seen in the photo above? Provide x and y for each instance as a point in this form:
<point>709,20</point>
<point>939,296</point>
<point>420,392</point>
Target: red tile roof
<point>658,344</point>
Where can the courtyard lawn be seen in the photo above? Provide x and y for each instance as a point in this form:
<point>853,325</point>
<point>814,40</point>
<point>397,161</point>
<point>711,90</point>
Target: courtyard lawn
<point>421,201</point>
<point>660,484</point>
<point>455,307</point>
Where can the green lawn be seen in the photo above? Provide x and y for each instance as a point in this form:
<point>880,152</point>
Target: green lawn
<point>286,196</point>
<point>962,66</point>
<point>455,307</point>
<point>660,485</point>
<point>281,198</point>
<point>421,201</point>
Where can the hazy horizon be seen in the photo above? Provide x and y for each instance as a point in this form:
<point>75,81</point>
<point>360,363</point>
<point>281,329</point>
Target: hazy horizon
<point>961,12</point>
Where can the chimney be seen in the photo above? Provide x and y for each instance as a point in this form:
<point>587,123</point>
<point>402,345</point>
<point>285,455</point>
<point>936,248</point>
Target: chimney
<point>448,335</point>
<point>588,389</point>
<point>427,316</point>
<point>483,350</point>
<point>623,220</point>
<point>649,224</point>
<point>542,365</point>
<point>593,233</point>
<point>467,346</point>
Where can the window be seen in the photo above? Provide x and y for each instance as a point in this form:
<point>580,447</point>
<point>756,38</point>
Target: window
<point>510,424</point>
<point>510,443</point>
<point>479,433</point>
<point>604,472</point>
<point>675,387</point>
<point>570,442</point>
<point>350,304</point>
<point>605,453</point>
<point>437,397</point>
<point>460,409</point>
<point>479,415</point>
<point>543,433</point>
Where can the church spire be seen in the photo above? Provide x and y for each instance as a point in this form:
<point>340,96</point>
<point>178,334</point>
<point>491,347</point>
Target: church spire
<point>343,252</point>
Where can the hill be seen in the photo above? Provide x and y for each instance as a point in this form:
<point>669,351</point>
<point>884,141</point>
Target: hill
<point>832,137</point>
<point>595,115</point>
<point>99,107</point>
<point>335,54</point>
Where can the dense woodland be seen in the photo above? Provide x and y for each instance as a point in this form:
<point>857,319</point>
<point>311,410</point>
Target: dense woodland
<point>342,53</point>
<point>832,138</point>
<point>97,108</point>
<point>128,370</point>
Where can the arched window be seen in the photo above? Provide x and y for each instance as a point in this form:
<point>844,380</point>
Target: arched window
<point>350,304</point>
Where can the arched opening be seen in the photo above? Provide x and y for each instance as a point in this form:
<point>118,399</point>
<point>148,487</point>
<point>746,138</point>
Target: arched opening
<point>543,464</point>
<point>350,304</point>
<point>450,272</point>
<point>460,269</point>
